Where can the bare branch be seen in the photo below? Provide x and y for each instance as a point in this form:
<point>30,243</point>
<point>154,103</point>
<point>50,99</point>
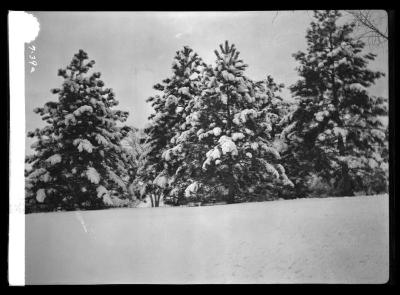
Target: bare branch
<point>367,20</point>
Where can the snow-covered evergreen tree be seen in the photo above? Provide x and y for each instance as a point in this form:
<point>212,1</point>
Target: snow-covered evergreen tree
<point>171,109</point>
<point>78,162</point>
<point>336,130</point>
<point>225,149</point>
<point>136,145</point>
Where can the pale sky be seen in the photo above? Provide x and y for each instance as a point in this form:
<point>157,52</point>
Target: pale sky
<point>134,50</point>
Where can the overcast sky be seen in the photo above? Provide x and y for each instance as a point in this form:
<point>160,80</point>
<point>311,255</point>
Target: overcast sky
<point>134,50</point>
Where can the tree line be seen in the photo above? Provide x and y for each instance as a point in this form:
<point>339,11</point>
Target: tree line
<point>215,134</point>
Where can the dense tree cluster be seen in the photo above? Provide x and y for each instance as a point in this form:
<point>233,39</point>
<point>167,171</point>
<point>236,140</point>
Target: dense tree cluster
<point>216,134</point>
<point>224,148</point>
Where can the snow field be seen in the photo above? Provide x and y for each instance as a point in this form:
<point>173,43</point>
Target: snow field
<point>330,240</point>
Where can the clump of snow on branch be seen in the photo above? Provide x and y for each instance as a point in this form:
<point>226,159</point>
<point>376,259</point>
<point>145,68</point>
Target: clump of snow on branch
<point>82,110</point>
<point>70,118</point>
<point>191,189</point>
<point>101,140</point>
<point>244,115</point>
<point>340,131</point>
<point>114,177</point>
<point>101,190</point>
<point>271,151</point>
<point>104,194</point>
<point>184,90</point>
<point>271,169</point>
<point>93,175</point>
<point>161,180</point>
<point>357,87</point>
<point>83,144</point>
<point>237,136</point>
<point>217,131</point>
<point>321,115</point>
<point>228,146</point>
<point>40,195</point>
<point>54,159</point>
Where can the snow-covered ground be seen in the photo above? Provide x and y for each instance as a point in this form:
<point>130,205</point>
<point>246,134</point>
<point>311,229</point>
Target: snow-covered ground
<point>331,240</point>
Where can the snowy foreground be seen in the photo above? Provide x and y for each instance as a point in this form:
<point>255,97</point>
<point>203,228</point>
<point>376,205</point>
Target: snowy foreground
<point>332,240</point>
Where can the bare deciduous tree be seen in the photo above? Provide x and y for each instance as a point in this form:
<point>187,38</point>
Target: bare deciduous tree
<point>372,24</point>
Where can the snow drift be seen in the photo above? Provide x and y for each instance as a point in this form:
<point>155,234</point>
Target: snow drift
<point>332,240</point>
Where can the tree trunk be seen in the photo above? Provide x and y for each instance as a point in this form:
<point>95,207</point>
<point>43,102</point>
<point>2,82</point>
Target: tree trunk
<point>152,200</point>
<point>346,183</point>
<point>231,190</point>
<point>231,195</point>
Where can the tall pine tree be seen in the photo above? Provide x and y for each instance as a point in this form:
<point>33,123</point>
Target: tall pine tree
<point>171,109</point>
<point>78,162</point>
<point>336,130</point>
<point>226,148</point>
